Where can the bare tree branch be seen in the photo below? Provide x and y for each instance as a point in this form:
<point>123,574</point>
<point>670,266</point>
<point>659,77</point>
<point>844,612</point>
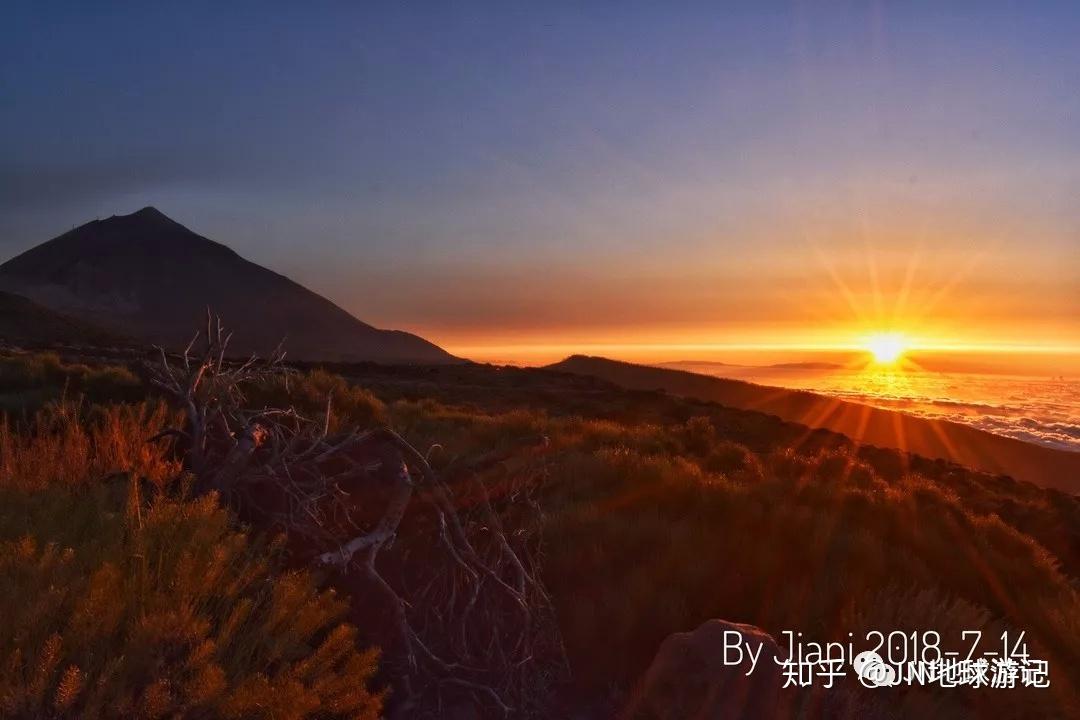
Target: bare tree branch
<point>479,624</point>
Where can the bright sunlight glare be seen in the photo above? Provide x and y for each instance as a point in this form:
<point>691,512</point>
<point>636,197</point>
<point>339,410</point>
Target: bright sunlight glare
<point>886,347</point>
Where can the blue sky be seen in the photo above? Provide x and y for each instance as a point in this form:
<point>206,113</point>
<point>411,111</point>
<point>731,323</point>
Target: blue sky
<point>595,167</point>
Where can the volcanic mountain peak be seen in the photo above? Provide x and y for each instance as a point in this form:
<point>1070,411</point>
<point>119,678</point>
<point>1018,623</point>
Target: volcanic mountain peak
<point>148,223</point>
<point>150,213</point>
<point>152,278</point>
<point>147,217</point>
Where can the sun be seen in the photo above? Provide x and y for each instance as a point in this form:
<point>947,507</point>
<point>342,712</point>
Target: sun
<point>886,348</point>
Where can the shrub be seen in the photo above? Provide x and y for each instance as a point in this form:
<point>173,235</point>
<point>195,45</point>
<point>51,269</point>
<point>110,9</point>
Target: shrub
<point>350,405</point>
<point>732,460</point>
<point>640,546</point>
<point>48,375</point>
<point>122,599</point>
<point>70,444</point>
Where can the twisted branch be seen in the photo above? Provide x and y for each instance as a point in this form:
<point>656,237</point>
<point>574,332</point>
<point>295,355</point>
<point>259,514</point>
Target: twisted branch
<point>479,624</point>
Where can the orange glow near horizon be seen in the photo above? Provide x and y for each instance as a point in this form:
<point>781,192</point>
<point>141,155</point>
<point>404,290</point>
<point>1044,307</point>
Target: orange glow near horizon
<point>847,302</point>
<point>532,350</point>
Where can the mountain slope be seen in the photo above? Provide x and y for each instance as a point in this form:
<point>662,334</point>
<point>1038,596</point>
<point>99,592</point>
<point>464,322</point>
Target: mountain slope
<point>961,444</point>
<point>151,278</point>
<point>24,322</point>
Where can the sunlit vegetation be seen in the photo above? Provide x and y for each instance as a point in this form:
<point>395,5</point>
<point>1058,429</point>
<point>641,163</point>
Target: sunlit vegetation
<point>122,596</point>
<point>660,514</point>
<point>656,526</point>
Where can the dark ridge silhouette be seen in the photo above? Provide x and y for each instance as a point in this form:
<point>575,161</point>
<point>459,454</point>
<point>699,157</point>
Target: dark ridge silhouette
<point>710,364</point>
<point>25,323</point>
<point>146,276</point>
<point>957,443</point>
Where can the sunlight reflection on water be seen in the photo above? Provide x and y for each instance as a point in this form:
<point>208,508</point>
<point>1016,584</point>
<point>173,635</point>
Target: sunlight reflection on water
<point>1036,409</point>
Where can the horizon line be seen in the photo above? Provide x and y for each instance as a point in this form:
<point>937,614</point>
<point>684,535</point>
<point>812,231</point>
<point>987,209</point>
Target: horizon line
<point>582,348</point>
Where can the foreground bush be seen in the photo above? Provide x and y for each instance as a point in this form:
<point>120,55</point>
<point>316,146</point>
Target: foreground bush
<point>120,599</point>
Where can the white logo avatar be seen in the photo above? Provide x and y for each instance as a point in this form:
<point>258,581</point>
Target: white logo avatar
<point>872,670</point>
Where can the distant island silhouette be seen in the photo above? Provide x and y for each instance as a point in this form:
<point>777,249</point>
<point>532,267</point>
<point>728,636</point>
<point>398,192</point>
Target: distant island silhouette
<point>808,365</point>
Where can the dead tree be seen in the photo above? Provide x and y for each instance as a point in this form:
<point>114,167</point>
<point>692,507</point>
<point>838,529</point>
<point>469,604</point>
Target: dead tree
<point>463,615</point>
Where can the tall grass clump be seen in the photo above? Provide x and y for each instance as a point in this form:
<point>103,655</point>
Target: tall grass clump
<point>69,444</point>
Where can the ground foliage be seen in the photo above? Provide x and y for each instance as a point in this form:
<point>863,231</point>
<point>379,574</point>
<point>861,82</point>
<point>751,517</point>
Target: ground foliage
<point>660,513</point>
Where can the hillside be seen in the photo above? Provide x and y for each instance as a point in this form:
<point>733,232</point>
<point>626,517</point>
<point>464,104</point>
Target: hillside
<point>645,513</point>
<point>149,277</point>
<point>26,323</point>
<point>873,426</point>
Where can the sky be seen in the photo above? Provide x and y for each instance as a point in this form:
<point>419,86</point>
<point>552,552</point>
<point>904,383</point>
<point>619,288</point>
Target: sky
<point>522,181</point>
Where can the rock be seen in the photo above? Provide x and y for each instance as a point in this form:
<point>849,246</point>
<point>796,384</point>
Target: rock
<point>700,674</point>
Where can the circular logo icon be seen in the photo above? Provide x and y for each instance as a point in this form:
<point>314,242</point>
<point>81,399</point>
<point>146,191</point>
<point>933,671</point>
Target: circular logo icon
<point>872,670</point>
